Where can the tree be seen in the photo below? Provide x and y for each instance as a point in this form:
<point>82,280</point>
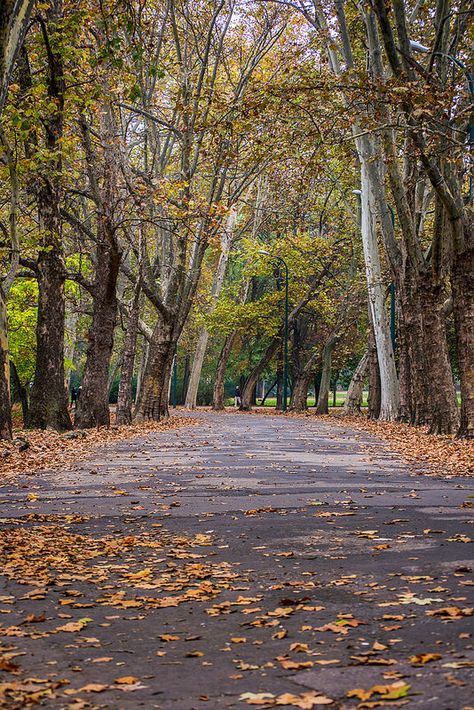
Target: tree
<point>48,400</point>
<point>14,17</point>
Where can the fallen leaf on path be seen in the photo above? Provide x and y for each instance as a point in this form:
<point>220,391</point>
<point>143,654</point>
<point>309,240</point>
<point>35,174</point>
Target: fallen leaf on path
<point>423,658</point>
<point>392,691</point>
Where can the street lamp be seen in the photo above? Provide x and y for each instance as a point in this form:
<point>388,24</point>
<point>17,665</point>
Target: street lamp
<point>285,336</point>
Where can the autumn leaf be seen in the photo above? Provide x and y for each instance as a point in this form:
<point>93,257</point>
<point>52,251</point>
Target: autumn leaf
<point>393,691</point>
<point>423,658</point>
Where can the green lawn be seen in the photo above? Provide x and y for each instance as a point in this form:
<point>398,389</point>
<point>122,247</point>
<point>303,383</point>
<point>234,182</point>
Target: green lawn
<point>340,399</point>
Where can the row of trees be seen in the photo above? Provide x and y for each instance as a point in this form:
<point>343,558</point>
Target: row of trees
<point>151,150</point>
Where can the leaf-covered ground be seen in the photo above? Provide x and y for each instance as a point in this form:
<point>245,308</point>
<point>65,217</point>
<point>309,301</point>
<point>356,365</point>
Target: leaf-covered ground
<point>35,449</point>
<point>434,454</point>
<point>245,561</point>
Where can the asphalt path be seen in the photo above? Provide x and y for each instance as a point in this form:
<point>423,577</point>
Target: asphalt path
<point>244,554</point>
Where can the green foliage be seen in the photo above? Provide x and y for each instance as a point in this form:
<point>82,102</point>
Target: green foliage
<point>22,312</point>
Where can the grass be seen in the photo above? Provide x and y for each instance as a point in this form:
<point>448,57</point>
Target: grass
<point>340,399</point>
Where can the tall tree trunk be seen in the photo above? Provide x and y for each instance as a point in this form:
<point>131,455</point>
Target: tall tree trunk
<point>125,399</point>
<point>72,319</point>
<point>152,403</point>
<point>14,18</point>
<point>252,379</point>
<point>388,375</point>
<point>404,361</point>
<point>374,375</point>
<point>49,398</point>
<point>428,393</point>
<point>462,281</point>
<point>200,352</point>
<point>219,393</point>
<point>443,415</point>
<point>299,394</point>
<point>142,367</point>
<point>322,404</point>
<point>19,391</point>
<point>196,369</point>
<point>186,374</point>
<point>5,404</point>
<point>93,405</point>
<point>355,390</point>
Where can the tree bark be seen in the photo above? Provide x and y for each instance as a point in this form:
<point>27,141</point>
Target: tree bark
<point>106,187</point>
<point>462,281</point>
<point>374,376</point>
<point>14,18</point>
<point>439,384</point>
<point>19,391</point>
<point>388,375</point>
<point>152,403</point>
<point>5,404</point>
<point>200,352</point>
<point>250,383</point>
<point>48,397</point>
<point>322,404</point>
<point>428,388</point>
<point>93,405</point>
<point>125,399</point>
<point>353,401</point>
<point>186,374</point>
<point>299,394</point>
<point>219,393</point>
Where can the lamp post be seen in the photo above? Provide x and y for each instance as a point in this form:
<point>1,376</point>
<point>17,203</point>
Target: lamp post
<point>285,334</point>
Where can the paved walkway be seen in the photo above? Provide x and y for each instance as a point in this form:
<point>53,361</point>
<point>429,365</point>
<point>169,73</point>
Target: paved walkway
<point>244,554</point>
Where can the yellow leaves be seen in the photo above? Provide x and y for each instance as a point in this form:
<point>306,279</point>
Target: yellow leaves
<point>305,701</point>
<point>410,598</point>
<point>194,654</point>
<point>32,496</point>
<point>347,620</point>
<point>89,688</point>
<point>280,634</point>
<point>392,691</point>
<point>422,658</point>
<point>256,698</point>
<point>168,637</point>
<point>452,612</point>
<point>238,639</point>
<point>288,664</point>
<point>332,627</point>
<point>254,511</point>
<point>459,538</point>
<point>137,576</point>
<point>73,626</point>
<point>126,680</point>
<point>299,647</point>
<point>281,612</point>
